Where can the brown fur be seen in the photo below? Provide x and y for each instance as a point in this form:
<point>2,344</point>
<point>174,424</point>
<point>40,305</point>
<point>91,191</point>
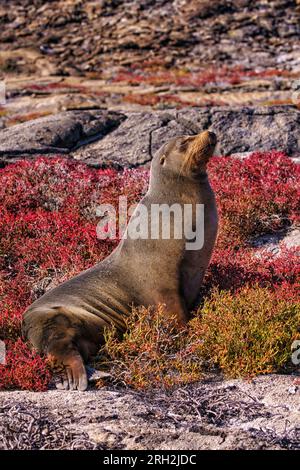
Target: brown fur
<point>68,322</point>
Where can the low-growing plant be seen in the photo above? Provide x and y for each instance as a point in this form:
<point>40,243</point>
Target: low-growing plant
<point>48,234</point>
<point>24,369</point>
<point>260,194</point>
<point>20,118</point>
<point>242,335</point>
<point>183,77</point>
<point>232,268</point>
<point>168,100</point>
<point>153,352</point>
<point>246,334</point>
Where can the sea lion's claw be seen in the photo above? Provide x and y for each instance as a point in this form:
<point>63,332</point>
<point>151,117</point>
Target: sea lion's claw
<point>83,383</point>
<point>61,382</point>
<point>65,384</point>
<point>75,382</point>
<point>78,373</point>
<point>70,379</point>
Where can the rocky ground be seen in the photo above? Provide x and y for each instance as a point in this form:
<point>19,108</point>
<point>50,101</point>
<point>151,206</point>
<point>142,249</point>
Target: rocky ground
<point>82,79</point>
<point>213,414</point>
<point>76,38</point>
<point>127,55</point>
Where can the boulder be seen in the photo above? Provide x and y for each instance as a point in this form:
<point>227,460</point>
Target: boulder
<point>109,138</point>
<point>56,134</point>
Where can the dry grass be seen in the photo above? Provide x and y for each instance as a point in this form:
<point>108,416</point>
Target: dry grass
<point>241,334</point>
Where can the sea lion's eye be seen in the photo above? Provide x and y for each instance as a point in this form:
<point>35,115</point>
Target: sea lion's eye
<point>162,159</point>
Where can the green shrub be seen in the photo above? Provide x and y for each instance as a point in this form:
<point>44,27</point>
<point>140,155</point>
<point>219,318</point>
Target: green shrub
<point>246,334</point>
<point>241,334</point>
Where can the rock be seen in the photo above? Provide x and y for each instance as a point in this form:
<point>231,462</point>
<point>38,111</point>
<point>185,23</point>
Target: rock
<point>131,139</point>
<point>251,129</point>
<point>274,242</point>
<point>59,133</point>
<point>172,30</point>
<point>137,139</point>
<point>94,374</point>
<point>239,130</point>
<point>211,414</point>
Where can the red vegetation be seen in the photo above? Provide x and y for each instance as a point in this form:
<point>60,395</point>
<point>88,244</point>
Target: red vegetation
<point>20,118</point>
<point>172,100</point>
<point>225,75</point>
<point>258,195</point>
<point>54,86</point>
<point>24,369</point>
<point>48,221</point>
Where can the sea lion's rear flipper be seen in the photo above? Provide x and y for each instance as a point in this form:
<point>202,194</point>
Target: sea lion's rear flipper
<point>70,371</point>
<point>64,337</point>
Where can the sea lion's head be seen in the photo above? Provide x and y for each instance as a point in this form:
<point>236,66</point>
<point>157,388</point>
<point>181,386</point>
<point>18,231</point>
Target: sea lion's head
<point>185,156</point>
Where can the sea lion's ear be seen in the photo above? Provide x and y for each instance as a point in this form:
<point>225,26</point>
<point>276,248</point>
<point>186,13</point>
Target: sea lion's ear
<point>162,159</point>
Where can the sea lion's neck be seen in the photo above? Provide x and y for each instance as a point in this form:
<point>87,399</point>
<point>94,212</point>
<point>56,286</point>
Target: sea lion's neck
<point>166,183</point>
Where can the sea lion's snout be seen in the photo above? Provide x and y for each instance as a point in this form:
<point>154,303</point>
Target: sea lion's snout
<point>206,138</point>
<point>202,146</point>
<point>199,151</point>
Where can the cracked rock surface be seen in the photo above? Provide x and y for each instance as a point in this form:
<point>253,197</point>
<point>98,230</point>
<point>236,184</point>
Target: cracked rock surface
<point>59,133</point>
<point>212,414</point>
<point>103,137</point>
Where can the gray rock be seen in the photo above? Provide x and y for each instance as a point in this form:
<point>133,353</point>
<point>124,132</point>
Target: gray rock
<point>59,133</point>
<point>211,414</point>
<point>239,130</point>
<point>104,138</point>
<point>251,129</point>
<point>136,140</point>
<point>274,242</point>
<point>129,145</point>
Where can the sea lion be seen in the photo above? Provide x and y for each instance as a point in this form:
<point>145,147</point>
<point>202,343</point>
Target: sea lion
<point>67,323</point>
